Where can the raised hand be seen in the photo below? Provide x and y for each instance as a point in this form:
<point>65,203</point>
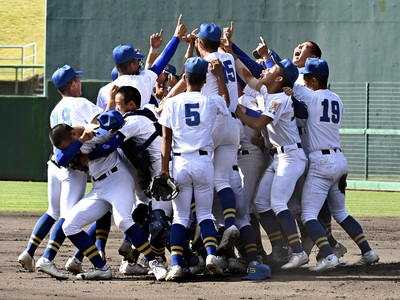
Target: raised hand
<point>228,31</point>
<point>181,29</point>
<point>262,49</point>
<point>156,39</point>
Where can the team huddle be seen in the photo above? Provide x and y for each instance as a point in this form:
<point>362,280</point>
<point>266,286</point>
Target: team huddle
<point>239,143</point>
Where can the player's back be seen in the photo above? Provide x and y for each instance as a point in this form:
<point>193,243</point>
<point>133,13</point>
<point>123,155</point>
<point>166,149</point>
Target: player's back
<point>144,82</point>
<point>325,110</point>
<point>73,111</point>
<point>211,85</point>
<point>192,116</point>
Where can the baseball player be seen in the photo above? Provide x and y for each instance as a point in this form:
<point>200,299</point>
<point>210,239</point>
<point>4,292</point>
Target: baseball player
<point>141,127</point>
<point>289,159</point>
<point>65,185</point>
<point>125,59</point>
<point>327,171</point>
<point>112,189</point>
<point>187,121</point>
<point>226,131</point>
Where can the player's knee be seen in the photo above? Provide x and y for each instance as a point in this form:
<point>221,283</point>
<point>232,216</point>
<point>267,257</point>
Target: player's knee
<point>159,223</point>
<point>220,184</point>
<point>70,227</point>
<point>124,224</point>
<point>54,214</point>
<point>278,207</point>
<point>340,216</point>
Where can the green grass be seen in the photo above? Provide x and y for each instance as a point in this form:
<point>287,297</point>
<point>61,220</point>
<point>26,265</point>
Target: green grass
<point>24,196</point>
<point>32,196</point>
<point>22,22</point>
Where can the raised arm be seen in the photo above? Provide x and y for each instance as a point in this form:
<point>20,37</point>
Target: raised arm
<point>155,44</point>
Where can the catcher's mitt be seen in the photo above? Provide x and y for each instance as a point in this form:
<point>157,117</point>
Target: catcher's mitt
<point>77,164</point>
<point>163,188</point>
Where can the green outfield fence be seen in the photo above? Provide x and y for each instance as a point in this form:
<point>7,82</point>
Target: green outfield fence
<point>370,134</point>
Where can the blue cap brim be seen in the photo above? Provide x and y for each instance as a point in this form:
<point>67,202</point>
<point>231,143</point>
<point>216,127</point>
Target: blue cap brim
<point>302,70</point>
<point>138,55</point>
<point>77,73</point>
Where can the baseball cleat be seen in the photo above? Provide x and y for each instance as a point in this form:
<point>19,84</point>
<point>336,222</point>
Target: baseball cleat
<point>197,269</point>
<point>326,264</point>
<point>278,257</point>
<point>212,265</point>
<point>339,250</point>
<point>367,259</point>
<point>74,266</point>
<point>175,273</point>
<point>296,261</point>
<point>27,261</point>
<point>49,268</point>
<point>95,274</point>
<point>126,251</point>
<point>158,269</point>
<point>128,268</point>
<point>229,238</point>
<point>236,266</point>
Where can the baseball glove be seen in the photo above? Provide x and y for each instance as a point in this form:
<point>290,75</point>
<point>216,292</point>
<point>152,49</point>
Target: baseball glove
<point>163,188</point>
<point>77,164</point>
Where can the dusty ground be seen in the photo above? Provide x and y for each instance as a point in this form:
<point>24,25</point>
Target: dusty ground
<point>380,281</point>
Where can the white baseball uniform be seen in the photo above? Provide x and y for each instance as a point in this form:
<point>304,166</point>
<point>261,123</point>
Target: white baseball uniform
<point>144,82</point>
<point>67,186</point>
<point>327,163</point>
<point>251,160</point>
<point>113,188</point>
<point>191,117</point>
<point>140,128</point>
<point>226,131</point>
<point>289,160</point>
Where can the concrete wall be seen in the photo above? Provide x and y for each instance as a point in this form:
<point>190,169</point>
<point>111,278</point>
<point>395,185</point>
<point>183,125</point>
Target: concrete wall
<point>358,37</point>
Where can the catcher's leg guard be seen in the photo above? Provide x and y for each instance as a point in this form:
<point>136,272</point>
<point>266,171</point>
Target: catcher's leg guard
<point>160,227</point>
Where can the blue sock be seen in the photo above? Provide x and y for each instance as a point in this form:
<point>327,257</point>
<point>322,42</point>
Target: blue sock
<point>354,230</point>
<point>178,238</point>
<point>325,218</point>
<point>140,241</point>
<point>157,246</point>
<point>228,203</point>
<point>248,239</point>
<point>83,242</point>
<point>318,235</point>
<point>209,236</point>
<point>256,227</point>
<point>288,225</point>
<point>269,222</point>
<point>92,233</point>
<point>56,239</point>
<point>41,229</point>
<point>103,226</point>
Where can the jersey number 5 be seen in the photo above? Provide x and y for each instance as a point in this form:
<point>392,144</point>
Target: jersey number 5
<point>335,111</point>
<point>229,75</point>
<point>192,116</point>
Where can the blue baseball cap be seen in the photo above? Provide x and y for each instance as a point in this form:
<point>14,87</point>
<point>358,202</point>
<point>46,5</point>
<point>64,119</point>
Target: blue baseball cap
<point>210,32</point>
<point>196,65</point>
<point>111,120</point>
<point>315,66</point>
<point>64,75</point>
<point>124,53</point>
<point>170,69</point>
<point>258,272</point>
<point>290,69</point>
<point>114,73</point>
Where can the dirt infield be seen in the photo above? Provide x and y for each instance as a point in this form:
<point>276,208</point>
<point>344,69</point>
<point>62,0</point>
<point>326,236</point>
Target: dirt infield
<point>380,281</point>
